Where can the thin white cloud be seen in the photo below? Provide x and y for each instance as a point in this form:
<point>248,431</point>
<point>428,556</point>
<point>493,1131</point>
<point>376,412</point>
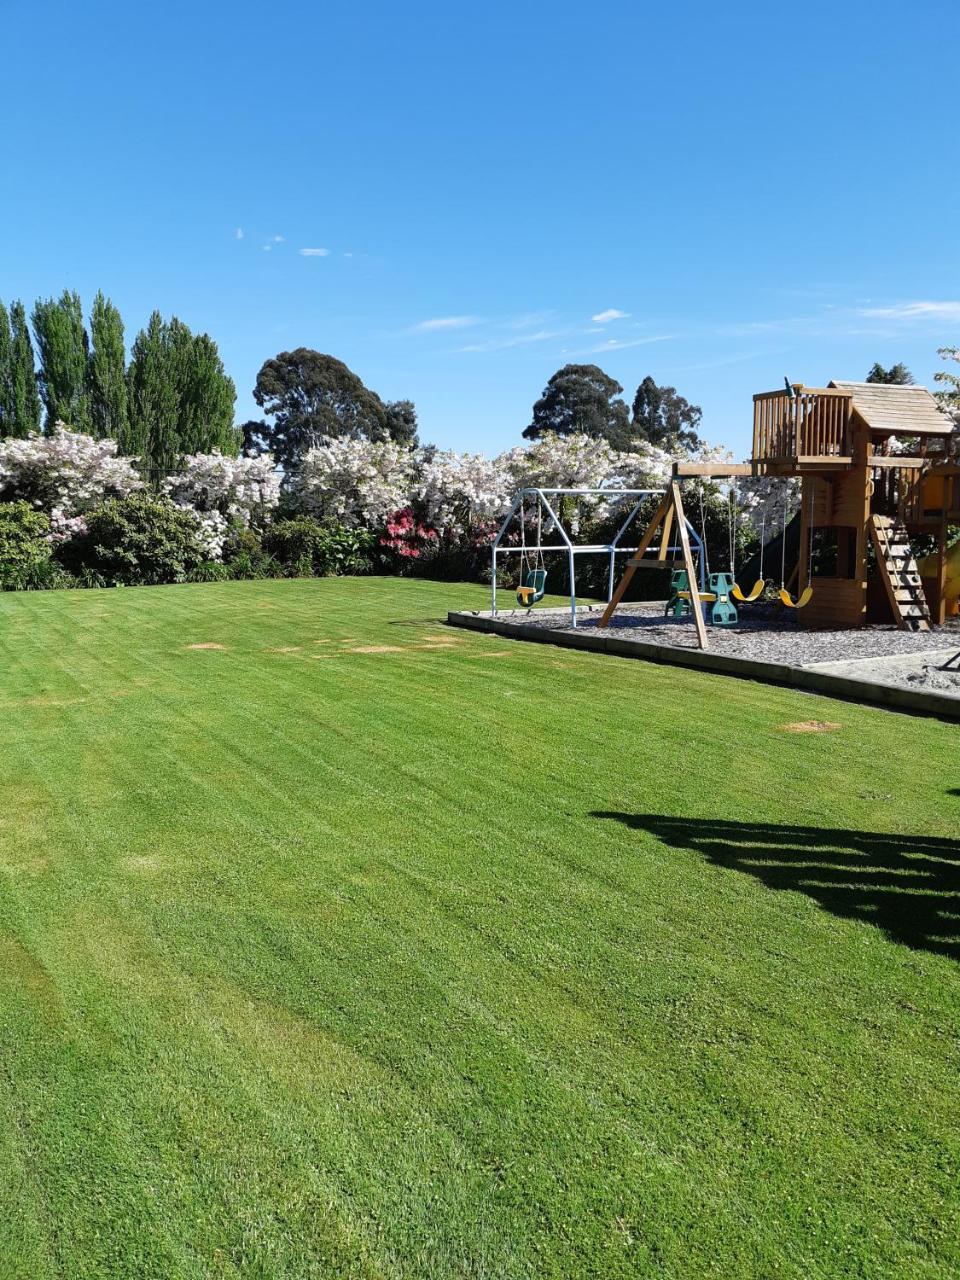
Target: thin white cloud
<point>238,234</point>
<point>604,317</point>
<point>441,323</point>
<point>530,320</point>
<point>315,253</point>
<point>914,311</point>
<point>849,321</point>
<point>266,247</point>
<point>522,340</point>
<point>616,344</point>
<point>278,239</point>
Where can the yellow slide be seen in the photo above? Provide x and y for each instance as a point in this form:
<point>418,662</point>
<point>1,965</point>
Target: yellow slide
<point>928,569</point>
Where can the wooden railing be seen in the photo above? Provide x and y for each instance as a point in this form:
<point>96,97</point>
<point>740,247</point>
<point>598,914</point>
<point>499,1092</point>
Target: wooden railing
<point>813,423</point>
<point>927,496</point>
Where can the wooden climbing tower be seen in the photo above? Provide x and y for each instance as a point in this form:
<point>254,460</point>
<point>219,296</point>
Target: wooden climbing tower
<point>877,467</point>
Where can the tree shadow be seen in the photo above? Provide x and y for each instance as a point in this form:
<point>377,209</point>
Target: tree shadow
<point>909,886</point>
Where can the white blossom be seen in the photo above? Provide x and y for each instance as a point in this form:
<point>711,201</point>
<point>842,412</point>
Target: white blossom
<point>561,462</point>
<point>63,527</point>
<point>245,490</point>
<point>460,493</point>
<point>211,532</point>
<point>355,482</point>
<point>66,471</point>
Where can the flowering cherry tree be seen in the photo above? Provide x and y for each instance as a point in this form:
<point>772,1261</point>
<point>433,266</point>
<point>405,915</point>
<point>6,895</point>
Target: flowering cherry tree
<point>65,472</point>
<point>561,462</point>
<point>462,495</point>
<point>244,490</point>
<point>355,482</point>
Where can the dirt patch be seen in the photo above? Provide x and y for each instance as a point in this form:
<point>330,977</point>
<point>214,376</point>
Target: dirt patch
<point>497,653</point>
<point>377,648</point>
<point>811,726</point>
<point>207,645</point>
<point>287,648</point>
<point>444,644</point>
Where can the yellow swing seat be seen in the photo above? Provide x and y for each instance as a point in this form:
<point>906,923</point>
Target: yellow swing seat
<point>755,593</point>
<point>706,597</point>
<point>805,596</point>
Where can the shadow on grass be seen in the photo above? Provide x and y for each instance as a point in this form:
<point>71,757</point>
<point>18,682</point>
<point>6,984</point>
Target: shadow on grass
<point>909,886</point>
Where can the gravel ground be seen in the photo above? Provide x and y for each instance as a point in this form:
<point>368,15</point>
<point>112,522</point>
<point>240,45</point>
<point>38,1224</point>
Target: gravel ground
<point>938,671</point>
<point>769,636</point>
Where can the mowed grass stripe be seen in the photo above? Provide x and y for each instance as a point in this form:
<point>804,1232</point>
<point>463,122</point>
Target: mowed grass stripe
<point>364,987</point>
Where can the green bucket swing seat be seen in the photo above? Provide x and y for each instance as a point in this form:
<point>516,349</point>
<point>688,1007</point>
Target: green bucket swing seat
<point>532,589</point>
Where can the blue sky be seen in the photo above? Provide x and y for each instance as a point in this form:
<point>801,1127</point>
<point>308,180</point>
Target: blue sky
<point>759,189</point>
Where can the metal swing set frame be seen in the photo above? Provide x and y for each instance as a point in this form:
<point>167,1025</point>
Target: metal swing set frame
<point>612,549</point>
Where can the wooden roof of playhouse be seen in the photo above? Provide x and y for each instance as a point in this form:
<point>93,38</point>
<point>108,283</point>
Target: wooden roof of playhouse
<point>902,411</point>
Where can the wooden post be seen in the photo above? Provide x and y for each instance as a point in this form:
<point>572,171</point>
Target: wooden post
<point>665,539</point>
<point>939,617</point>
<point>660,516</point>
<point>806,519</point>
<point>695,604</point>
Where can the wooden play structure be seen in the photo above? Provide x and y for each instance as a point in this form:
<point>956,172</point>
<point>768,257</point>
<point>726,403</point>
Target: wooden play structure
<point>861,506</point>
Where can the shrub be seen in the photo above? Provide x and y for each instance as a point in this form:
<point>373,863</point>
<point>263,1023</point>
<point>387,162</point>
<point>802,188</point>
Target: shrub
<point>304,545</point>
<point>24,544</point>
<point>134,541</point>
<point>244,556</point>
<point>43,575</point>
<point>210,571</point>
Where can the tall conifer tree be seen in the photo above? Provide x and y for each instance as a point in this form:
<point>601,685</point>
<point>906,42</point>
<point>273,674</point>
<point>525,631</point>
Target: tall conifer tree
<point>63,348</point>
<point>180,397</point>
<point>153,399</point>
<point>6,379</point>
<point>106,373</point>
<point>24,395</point>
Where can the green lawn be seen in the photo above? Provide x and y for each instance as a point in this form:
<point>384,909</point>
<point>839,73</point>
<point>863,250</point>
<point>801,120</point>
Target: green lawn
<point>358,946</point>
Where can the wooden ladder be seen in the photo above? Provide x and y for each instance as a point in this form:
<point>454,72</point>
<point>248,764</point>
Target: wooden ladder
<point>899,572</point>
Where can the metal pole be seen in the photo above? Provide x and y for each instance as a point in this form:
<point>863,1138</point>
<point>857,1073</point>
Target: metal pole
<point>698,542</point>
<point>563,534</point>
<point>610,582</point>
<point>493,585</point>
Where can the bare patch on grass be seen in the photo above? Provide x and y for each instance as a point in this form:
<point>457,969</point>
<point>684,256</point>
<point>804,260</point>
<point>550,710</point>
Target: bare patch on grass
<point>287,648</point>
<point>47,700</point>
<point>25,866</point>
<point>377,648</point>
<point>207,645</point>
<point>145,862</point>
<point>811,726</point>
